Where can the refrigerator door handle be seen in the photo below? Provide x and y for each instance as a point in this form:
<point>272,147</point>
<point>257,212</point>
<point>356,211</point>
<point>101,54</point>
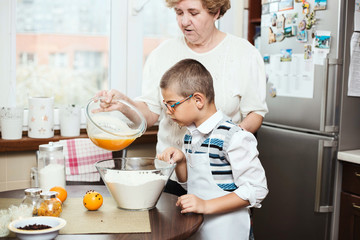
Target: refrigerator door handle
<point>327,63</point>
<point>318,208</point>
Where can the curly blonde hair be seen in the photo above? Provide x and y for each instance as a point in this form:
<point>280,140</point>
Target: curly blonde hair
<point>213,6</point>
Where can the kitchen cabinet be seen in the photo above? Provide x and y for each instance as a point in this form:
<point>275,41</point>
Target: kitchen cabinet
<point>254,19</point>
<point>349,226</point>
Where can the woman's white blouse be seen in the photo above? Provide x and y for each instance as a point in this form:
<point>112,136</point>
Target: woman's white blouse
<point>238,74</point>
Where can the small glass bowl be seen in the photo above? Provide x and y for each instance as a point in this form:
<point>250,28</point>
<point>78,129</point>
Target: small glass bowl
<point>135,183</point>
<point>114,130</point>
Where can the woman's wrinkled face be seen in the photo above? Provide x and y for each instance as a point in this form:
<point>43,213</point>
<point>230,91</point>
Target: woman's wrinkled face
<point>194,21</point>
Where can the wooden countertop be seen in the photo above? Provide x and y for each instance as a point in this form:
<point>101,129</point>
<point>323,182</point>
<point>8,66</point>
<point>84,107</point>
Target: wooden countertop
<point>166,220</point>
<point>352,156</point>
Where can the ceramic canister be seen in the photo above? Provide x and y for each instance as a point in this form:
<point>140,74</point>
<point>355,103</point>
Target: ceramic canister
<point>11,121</point>
<point>70,118</point>
<point>41,117</point>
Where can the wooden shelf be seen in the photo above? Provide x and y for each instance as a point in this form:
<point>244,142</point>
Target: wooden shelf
<point>256,20</point>
<point>32,144</point>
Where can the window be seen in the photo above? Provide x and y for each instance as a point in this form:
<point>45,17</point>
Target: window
<point>27,59</point>
<point>72,49</point>
<point>70,40</point>
<point>58,59</point>
<point>159,25</point>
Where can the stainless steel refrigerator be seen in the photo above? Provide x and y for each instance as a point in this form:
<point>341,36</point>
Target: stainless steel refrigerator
<point>298,140</point>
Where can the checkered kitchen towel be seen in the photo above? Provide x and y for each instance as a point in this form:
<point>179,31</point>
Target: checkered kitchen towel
<point>81,154</point>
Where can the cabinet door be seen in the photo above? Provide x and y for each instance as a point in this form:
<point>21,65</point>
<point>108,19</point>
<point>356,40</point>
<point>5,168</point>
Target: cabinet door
<point>349,227</point>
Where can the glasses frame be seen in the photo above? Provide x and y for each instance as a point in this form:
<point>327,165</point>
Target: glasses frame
<point>171,107</point>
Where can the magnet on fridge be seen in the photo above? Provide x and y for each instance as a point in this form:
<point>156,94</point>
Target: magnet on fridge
<point>267,59</point>
<point>302,25</point>
<point>305,7</point>
<point>272,92</point>
<point>320,4</point>
<point>307,52</point>
<point>290,31</point>
<point>265,9</point>
<point>272,38</point>
<point>285,55</point>
<point>322,41</point>
<point>302,36</point>
<point>273,20</point>
<point>291,19</point>
<point>279,36</point>
<point>280,22</point>
<point>310,20</point>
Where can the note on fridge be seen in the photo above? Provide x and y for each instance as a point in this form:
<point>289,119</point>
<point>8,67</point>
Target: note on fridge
<point>354,69</point>
<point>357,16</point>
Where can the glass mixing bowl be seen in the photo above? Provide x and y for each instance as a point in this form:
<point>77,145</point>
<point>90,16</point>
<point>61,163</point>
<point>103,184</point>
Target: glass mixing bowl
<point>135,183</point>
<point>114,130</point>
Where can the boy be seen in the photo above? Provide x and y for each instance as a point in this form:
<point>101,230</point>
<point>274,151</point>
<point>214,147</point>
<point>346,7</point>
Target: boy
<point>219,161</point>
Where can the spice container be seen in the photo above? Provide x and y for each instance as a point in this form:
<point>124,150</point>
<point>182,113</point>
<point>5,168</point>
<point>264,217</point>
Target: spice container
<point>32,196</point>
<point>51,166</point>
<point>48,205</point>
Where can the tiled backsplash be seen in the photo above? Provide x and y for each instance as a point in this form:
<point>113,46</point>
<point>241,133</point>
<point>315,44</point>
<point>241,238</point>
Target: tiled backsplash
<point>15,170</point>
<point>15,166</point>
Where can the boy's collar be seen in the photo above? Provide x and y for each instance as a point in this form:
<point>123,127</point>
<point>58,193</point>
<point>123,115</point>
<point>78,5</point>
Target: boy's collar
<point>207,126</point>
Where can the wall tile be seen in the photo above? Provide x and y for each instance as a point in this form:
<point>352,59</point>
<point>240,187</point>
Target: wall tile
<point>19,165</point>
<point>2,186</point>
<point>3,158</point>
<point>13,185</point>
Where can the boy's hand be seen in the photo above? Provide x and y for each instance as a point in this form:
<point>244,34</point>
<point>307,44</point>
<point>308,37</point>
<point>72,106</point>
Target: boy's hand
<point>191,203</point>
<point>171,155</point>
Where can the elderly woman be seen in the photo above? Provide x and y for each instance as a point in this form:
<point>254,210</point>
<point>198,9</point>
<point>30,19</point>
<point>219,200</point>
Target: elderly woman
<point>236,67</point>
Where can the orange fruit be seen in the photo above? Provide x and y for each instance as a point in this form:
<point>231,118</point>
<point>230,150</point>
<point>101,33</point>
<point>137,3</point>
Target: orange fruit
<point>62,193</point>
<point>92,200</point>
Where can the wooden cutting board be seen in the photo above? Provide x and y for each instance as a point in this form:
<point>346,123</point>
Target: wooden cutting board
<point>107,219</point>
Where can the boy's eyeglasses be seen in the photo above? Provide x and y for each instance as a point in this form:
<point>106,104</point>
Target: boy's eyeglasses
<point>171,108</point>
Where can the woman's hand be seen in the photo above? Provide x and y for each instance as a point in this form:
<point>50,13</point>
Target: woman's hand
<point>172,155</point>
<point>191,203</point>
<point>108,104</point>
<point>106,100</point>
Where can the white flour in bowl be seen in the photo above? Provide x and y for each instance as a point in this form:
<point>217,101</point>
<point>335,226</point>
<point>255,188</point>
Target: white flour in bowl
<point>135,190</point>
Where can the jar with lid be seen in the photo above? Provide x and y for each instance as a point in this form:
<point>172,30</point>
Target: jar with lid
<point>48,205</point>
<point>32,196</point>
<point>51,166</point>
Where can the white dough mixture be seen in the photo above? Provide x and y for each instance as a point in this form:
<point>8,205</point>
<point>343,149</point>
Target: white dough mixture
<point>135,190</point>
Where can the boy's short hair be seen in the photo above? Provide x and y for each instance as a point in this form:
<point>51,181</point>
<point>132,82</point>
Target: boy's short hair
<point>187,77</point>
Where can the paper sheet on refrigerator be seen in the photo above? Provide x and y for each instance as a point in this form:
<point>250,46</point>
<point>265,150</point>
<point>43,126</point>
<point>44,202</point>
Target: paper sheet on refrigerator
<point>293,78</point>
<point>354,69</point>
<point>357,16</point>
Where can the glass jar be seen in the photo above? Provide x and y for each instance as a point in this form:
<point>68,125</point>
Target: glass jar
<point>48,205</point>
<point>32,196</point>
<point>51,166</point>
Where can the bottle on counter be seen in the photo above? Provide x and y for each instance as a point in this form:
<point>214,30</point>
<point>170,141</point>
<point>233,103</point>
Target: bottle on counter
<point>48,205</point>
<point>51,166</point>
<point>32,196</point>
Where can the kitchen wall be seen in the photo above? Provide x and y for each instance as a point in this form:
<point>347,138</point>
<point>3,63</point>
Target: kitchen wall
<point>15,166</point>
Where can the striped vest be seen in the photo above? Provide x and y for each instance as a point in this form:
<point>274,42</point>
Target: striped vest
<point>216,143</point>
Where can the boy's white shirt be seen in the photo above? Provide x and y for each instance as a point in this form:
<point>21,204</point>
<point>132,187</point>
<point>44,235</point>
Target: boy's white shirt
<point>247,170</point>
